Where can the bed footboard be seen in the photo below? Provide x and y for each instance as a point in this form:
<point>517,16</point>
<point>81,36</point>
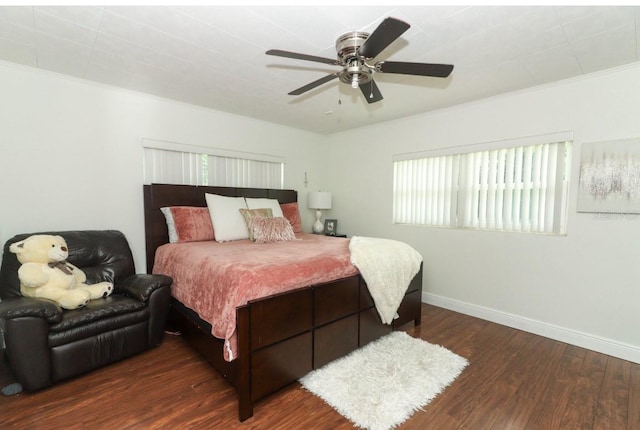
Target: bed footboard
<point>284,337</point>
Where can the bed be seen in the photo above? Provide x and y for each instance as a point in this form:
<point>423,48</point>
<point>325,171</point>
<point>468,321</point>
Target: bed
<point>280,337</point>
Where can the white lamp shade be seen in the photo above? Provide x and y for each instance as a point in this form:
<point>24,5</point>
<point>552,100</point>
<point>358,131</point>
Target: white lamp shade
<point>319,200</point>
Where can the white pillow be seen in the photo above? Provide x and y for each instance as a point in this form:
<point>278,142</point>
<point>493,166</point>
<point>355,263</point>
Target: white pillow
<point>171,225</point>
<point>273,204</point>
<point>228,223</point>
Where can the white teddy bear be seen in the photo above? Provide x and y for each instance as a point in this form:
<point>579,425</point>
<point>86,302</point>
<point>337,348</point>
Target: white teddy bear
<point>46,274</point>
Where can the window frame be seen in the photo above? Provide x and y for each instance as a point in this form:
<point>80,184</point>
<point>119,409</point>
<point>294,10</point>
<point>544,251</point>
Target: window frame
<point>193,165</point>
<point>468,184</point>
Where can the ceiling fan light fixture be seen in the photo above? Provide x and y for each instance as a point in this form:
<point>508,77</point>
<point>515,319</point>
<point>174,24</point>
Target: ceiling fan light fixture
<point>356,73</point>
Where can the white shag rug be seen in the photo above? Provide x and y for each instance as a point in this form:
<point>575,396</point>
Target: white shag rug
<point>382,384</point>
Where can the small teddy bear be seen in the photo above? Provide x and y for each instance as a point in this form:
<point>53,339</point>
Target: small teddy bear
<point>46,274</point>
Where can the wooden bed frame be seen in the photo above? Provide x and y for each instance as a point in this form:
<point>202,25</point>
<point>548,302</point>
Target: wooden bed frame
<point>282,337</point>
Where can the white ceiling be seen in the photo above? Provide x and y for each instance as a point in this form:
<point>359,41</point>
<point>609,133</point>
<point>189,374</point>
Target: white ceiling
<point>214,56</point>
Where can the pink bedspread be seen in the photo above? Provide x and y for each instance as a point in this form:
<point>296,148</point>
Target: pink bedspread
<point>214,278</point>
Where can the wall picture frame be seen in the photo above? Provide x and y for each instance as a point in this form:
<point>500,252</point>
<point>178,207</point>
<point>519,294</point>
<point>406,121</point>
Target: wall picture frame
<point>330,227</point>
<point>610,177</point>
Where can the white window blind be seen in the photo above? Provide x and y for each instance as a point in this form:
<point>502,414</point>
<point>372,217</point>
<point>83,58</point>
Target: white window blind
<point>174,167</point>
<point>168,163</point>
<point>521,188</point>
<point>239,172</point>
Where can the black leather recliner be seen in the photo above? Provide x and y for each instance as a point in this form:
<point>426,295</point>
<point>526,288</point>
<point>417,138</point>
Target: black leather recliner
<point>46,344</point>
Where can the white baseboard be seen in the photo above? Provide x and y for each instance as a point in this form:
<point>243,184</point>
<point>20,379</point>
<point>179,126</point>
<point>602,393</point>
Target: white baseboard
<point>583,340</point>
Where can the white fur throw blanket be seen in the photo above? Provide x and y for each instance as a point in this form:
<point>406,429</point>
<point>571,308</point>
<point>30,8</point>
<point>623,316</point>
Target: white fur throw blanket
<point>387,266</point>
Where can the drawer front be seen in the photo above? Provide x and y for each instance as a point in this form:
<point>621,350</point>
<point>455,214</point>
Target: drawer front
<point>336,300</point>
<point>335,340</point>
<point>281,364</point>
<point>409,309</point>
<point>281,317</point>
<point>366,301</point>
<point>371,326</point>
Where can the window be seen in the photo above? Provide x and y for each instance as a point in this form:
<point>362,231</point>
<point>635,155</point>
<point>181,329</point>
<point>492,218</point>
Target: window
<point>171,163</point>
<point>509,186</point>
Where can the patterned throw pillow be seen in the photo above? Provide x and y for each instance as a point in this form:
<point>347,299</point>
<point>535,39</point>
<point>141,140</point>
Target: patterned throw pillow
<point>270,230</point>
<point>249,214</point>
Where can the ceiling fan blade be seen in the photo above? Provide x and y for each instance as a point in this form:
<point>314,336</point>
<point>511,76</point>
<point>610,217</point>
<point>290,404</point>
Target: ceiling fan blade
<point>420,69</point>
<point>388,31</point>
<point>295,55</point>
<point>371,92</point>
<point>313,84</point>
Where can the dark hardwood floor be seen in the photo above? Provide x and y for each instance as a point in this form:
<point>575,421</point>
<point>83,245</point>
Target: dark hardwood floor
<point>515,380</point>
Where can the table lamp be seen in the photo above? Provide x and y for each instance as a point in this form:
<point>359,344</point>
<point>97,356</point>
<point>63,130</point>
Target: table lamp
<point>318,200</point>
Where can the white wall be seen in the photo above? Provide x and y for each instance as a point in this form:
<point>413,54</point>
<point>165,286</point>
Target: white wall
<point>583,288</point>
<point>71,154</point>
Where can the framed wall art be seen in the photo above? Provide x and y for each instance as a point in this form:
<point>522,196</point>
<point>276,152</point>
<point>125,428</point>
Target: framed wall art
<point>610,177</point>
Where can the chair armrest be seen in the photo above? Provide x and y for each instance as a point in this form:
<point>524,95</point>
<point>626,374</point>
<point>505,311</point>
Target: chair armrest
<point>142,286</point>
<point>20,307</point>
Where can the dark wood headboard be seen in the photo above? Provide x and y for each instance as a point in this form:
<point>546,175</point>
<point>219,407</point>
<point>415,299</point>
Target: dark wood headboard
<point>157,196</point>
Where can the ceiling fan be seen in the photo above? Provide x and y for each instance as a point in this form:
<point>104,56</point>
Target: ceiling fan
<point>355,50</point>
